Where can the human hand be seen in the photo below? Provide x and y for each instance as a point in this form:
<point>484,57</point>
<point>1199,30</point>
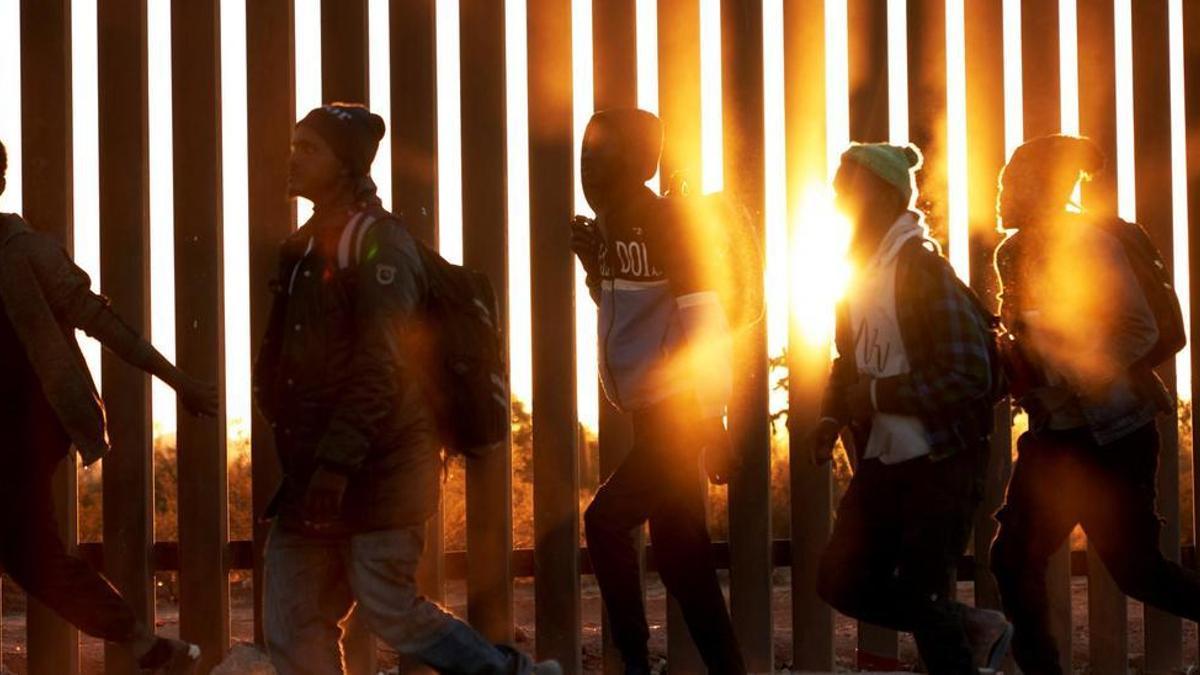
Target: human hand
<point>822,440</point>
<point>323,499</point>
<point>585,243</point>
<point>197,397</point>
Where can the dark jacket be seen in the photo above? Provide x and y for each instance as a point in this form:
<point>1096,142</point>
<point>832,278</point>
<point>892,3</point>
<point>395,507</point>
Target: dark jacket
<point>945,337</point>
<point>44,298</point>
<point>662,329</point>
<point>332,375</point>
<point>1112,327</point>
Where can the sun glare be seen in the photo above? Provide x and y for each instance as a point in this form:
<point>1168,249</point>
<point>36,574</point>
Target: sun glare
<point>820,271</point>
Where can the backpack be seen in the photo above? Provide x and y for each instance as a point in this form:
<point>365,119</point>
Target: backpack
<point>458,346</point>
<point>1157,285</point>
<point>722,244</point>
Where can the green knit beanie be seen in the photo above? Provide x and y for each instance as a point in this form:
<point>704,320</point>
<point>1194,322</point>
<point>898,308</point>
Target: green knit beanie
<point>895,164</point>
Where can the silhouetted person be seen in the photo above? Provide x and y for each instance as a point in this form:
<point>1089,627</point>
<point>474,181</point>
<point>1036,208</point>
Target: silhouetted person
<point>1083,327</point>
<point>48,403</point>
<point>656,315</point>
<point>912,382</point>
<point>355,434</point>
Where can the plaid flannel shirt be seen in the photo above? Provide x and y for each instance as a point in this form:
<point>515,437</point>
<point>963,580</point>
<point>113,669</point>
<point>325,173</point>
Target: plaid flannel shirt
<point>946,338</point>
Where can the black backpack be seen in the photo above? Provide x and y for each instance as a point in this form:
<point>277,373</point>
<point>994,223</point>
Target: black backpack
<point>1157,285</point>
<point>458,346</point>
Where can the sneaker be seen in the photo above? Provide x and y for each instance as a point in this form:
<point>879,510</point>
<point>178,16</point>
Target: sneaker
<point>171,657</point>
<point>990,635</point>
<point>547,668</point>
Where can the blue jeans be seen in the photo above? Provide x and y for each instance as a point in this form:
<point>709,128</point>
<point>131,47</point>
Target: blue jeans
<point>312,583</point>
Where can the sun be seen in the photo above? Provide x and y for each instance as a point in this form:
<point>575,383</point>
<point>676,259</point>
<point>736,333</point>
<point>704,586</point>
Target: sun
<point>818,268</point>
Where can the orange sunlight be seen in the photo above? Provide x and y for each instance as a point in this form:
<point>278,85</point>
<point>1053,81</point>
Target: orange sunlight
<point>805,262</point>
<point>820,270</point>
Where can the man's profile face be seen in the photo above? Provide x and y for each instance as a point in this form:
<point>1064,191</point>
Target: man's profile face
<point>313,169</point>
<point>601,166</point>
<point>859,194</point>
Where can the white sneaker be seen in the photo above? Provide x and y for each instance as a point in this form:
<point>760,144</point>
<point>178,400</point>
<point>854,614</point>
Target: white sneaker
<point>547,668</point>
<point>182,659</point>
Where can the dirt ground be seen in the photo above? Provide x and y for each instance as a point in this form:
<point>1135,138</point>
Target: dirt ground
<point>846,631</point>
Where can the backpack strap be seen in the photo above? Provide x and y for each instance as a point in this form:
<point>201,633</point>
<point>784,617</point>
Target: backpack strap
<point>349,250</point>
<point>991,319</point>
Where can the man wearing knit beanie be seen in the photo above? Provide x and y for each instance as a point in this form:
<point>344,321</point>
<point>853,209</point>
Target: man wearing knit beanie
<point>352,134</point>
<point>353,429</point>
<point>911,387</point>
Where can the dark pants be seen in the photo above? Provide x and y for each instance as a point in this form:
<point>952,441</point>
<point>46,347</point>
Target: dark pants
<point>891,561</point>
<point>660,481</point>
<point>33,555</point>
<point>1062,479</point>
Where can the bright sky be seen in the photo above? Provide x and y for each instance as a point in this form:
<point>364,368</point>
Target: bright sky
<point>238,348</point>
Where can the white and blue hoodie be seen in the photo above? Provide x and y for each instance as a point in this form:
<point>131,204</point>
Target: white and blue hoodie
<point>662,329</point>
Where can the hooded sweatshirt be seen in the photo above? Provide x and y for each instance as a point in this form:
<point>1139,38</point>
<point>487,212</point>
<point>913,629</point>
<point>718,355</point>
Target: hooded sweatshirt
<point>662,328</point>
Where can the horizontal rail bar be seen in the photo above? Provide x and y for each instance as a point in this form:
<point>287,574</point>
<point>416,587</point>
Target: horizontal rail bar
<point>240,555</point>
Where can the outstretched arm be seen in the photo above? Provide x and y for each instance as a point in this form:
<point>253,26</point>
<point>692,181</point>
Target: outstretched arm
<point>68,290</point>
